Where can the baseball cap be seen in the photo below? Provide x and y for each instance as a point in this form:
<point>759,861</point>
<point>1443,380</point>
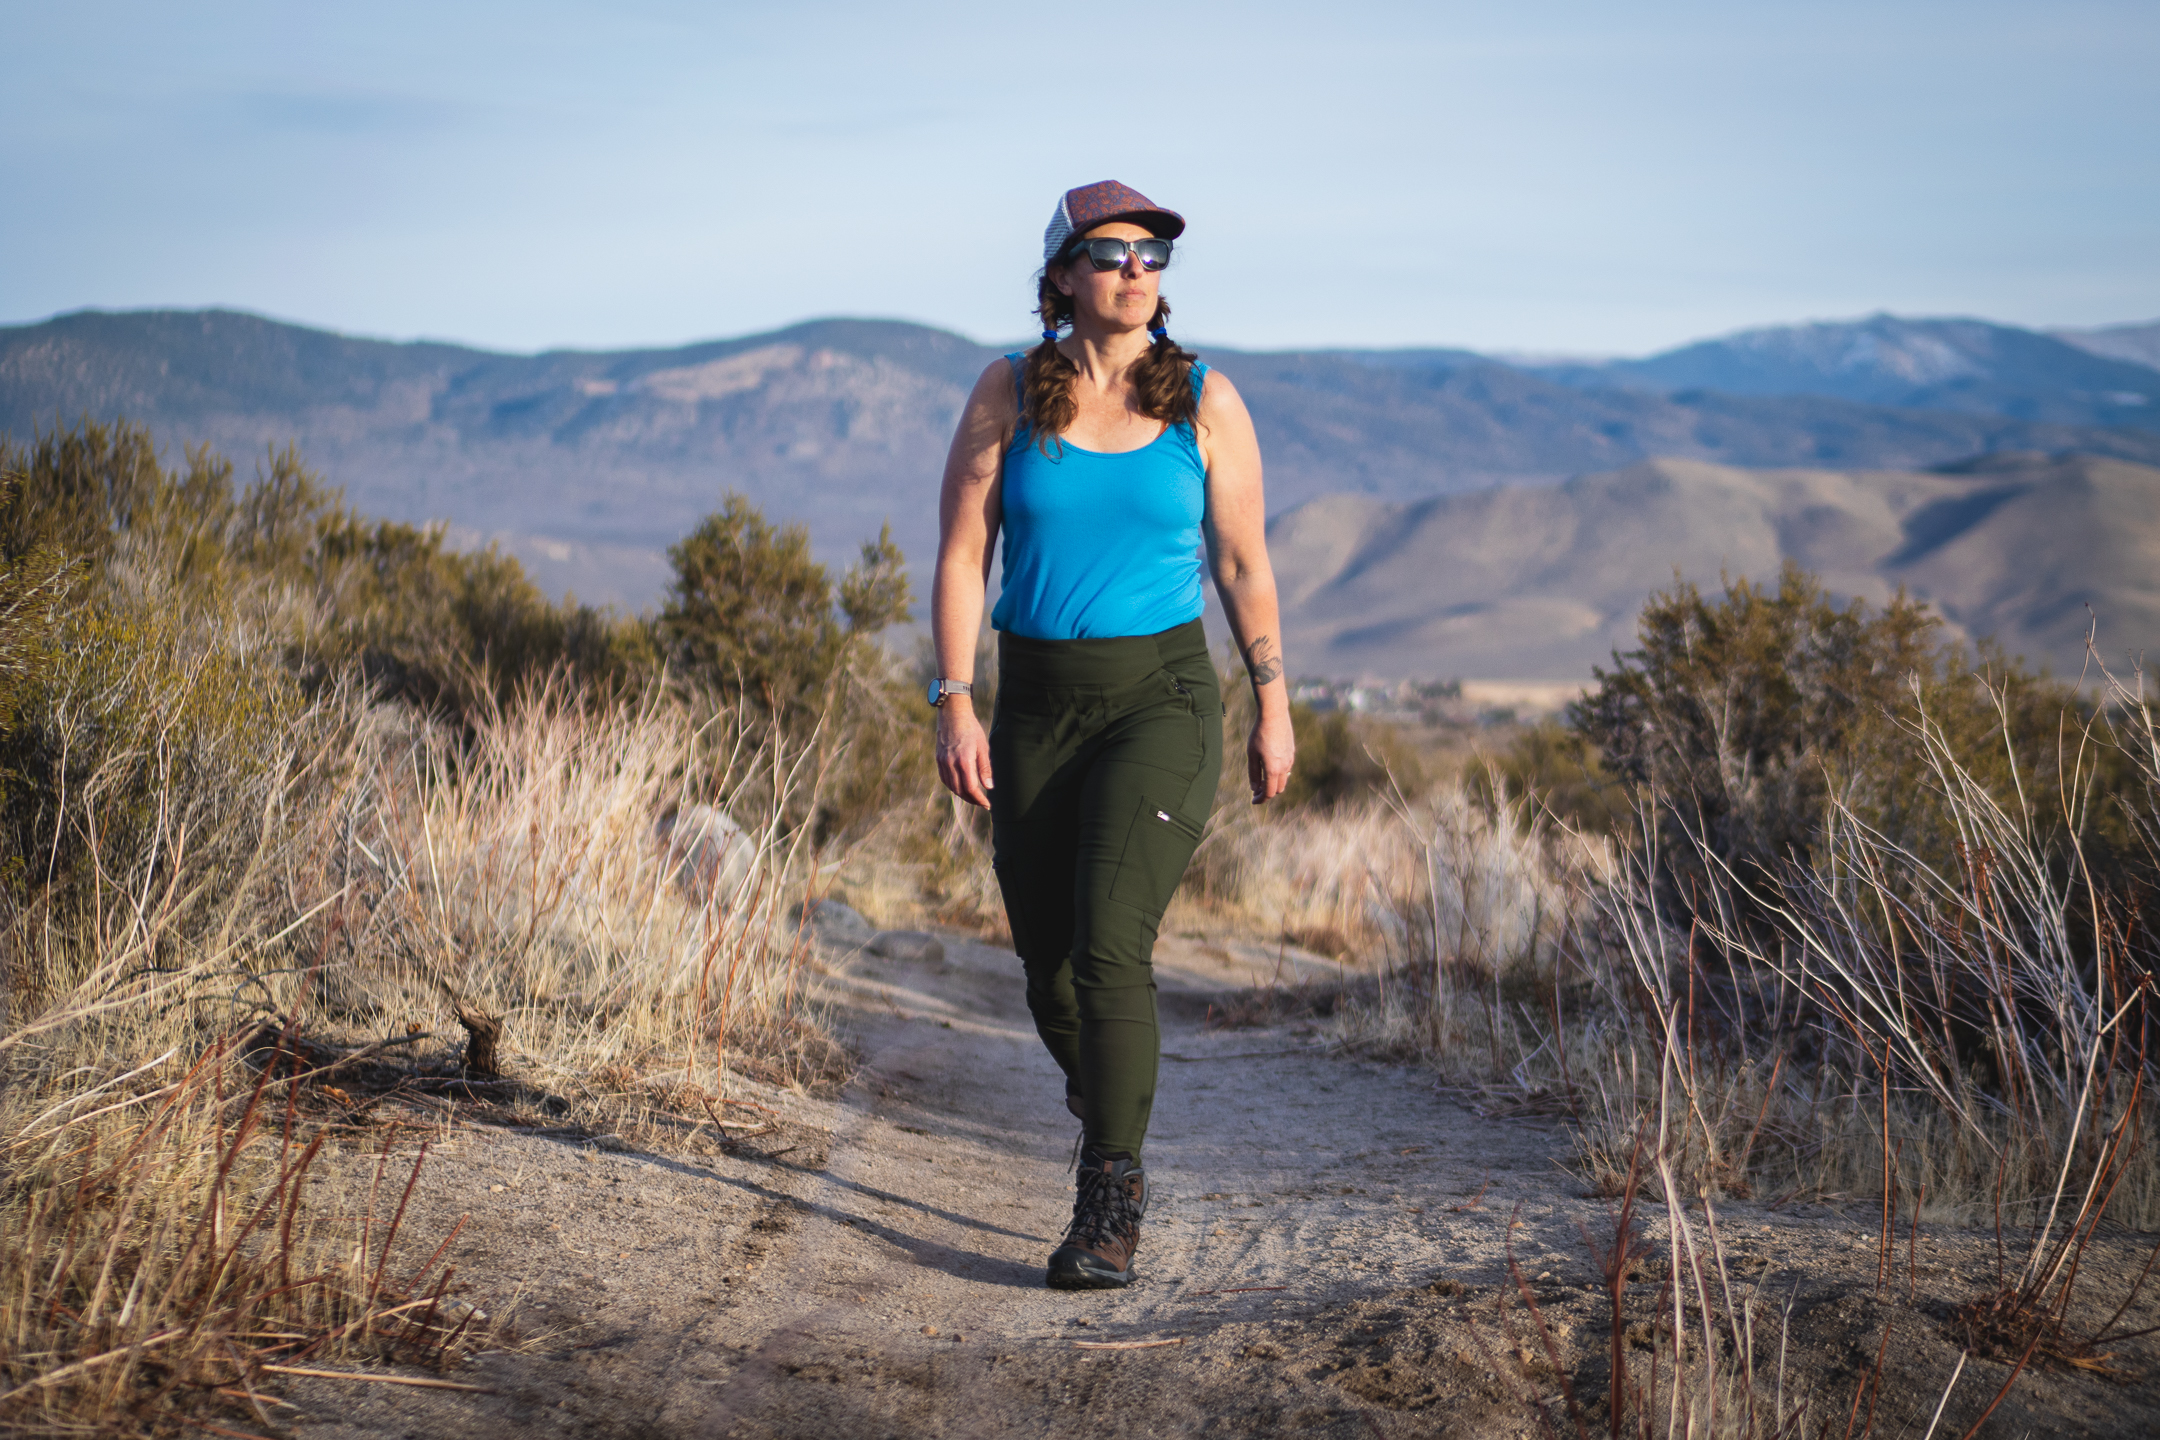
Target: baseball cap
<point>1084,207</point>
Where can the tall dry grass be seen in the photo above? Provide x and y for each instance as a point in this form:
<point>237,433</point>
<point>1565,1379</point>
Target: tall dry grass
<point>361,881</point>
<point>1462,916</point>
<point>1328,881</point>
<point>575,872</point>
<point>1980,1032</point>
<point>1972,1044</point>
<point>1905,1030</point>
<point>176,1258</point>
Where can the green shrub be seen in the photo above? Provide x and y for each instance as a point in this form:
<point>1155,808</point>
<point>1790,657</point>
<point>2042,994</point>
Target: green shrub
<point>135,761</point>
<point>120,708</point>
<point>449,631</point>
<point>79,492</point>
<point>285,559</point>
<point>32,590</point>
<point>1339,758</point>
<point>750,612</point>
<point>753,624</point>
<point>1740,717</point>
<point>1556,770</point>
<point>1730,708</point>
<point>157,623</point>
<point>159,634</point>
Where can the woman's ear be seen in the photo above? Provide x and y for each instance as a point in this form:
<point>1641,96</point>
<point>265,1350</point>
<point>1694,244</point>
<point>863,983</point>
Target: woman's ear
<point>1061,276</point>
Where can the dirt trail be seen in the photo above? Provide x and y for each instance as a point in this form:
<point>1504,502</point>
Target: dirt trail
<point>1326,1245</point>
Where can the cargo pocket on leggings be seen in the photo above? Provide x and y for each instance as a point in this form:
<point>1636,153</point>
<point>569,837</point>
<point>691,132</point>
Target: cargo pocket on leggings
<point>1158,846</point>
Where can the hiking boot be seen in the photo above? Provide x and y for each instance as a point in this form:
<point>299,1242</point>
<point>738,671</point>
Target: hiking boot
<point>1105,1230</point>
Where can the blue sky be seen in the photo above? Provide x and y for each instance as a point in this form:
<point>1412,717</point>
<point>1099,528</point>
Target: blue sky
<point>1547,177</point>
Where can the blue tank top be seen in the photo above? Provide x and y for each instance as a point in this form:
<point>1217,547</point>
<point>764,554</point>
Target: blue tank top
<point>1101,545</point>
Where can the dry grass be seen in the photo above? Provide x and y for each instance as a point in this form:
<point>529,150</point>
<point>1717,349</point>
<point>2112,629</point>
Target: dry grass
<point>1902,1029</point>
<point>523,872</point>
<point>1325,881</point>
<point>1966,1046</point>
<point>1464,922</point>
<point>1485,920</point>
<point>925,861</point>
<point>368,888</point>
<point>375,888</point>
<point>176,1260</point>
<point>1703,1357</point>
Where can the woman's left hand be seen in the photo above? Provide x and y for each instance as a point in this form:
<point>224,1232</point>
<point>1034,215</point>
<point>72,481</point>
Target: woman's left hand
<point>1270,753</point>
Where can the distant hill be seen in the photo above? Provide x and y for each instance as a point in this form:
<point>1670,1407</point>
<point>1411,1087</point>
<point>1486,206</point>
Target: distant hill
<point>2139,344</point>
<point>1544,583</point>
<point>2103,378</point>
<point>587,464</point>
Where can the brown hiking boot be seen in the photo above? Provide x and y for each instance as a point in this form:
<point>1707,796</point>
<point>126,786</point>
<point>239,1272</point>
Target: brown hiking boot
<point>1105,1230</point>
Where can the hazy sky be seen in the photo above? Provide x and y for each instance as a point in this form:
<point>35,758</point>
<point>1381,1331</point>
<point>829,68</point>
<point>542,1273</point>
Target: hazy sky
<point>1582,177</point>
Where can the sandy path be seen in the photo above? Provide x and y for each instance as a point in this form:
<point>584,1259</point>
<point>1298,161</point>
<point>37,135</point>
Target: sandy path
<point>885,1278</point>
<point>1274,1164</point>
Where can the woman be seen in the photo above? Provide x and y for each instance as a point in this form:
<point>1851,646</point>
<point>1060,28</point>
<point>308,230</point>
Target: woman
<point>1104,457</point>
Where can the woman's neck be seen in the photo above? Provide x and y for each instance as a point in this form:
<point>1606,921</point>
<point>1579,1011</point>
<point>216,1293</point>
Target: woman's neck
<point>1103,356</point>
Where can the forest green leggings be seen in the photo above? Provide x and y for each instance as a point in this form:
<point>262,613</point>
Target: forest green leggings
<point>1105,754</point>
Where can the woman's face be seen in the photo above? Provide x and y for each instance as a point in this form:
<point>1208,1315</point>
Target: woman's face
<point>1120,299</point>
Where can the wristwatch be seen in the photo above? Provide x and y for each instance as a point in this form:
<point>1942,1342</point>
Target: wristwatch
<point>941,688</point>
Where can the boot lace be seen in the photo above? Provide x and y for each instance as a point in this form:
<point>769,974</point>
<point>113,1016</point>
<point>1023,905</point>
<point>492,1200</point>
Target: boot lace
<point>1104,1209</point>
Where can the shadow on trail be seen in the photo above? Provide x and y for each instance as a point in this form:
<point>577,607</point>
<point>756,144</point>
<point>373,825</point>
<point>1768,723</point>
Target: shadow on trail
<point>960,1263</point>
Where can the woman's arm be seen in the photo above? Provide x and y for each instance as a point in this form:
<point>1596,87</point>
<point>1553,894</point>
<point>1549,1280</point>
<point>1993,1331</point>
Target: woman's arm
<point>968,516</point>
<point>1237,552</point>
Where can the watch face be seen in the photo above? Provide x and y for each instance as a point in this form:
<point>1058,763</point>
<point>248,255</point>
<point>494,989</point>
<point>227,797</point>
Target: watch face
<point>937,688</point>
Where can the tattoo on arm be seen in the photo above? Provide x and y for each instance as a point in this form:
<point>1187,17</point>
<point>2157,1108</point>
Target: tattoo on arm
<point>1263,661</point>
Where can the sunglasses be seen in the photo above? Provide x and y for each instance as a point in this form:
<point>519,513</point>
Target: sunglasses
<point>1108,253</point>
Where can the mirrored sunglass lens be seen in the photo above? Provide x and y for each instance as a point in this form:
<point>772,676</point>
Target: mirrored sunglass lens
<point>1154,254</point>
<point>1106,254</point>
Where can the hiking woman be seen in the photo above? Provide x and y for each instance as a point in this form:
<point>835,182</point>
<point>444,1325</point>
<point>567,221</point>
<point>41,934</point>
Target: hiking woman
<point>1105,458</point>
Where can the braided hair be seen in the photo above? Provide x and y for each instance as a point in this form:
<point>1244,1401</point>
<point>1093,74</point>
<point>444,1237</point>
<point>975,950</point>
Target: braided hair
<point>1162,376</point>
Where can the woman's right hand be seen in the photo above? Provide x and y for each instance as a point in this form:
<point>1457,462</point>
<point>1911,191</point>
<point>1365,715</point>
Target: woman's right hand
<point>963,752</point>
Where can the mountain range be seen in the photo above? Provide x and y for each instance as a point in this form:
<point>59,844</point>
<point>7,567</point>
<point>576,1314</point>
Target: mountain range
<point>1544,583</point>
<point>586,464</point>
<point>1969,366</point>
<point>2137,343</point>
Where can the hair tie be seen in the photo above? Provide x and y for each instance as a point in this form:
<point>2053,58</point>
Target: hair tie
<point>1049,333</point>
<point>1160,332</point>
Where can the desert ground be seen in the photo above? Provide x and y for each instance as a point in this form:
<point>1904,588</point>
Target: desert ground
<point>1327,1252</point>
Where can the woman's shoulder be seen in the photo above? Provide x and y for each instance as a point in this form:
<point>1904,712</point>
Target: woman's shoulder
<point>1218,397</point>
<point>997,389</point>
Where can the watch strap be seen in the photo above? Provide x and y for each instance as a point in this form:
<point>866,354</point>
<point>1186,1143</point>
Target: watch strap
<point>941,687</point>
